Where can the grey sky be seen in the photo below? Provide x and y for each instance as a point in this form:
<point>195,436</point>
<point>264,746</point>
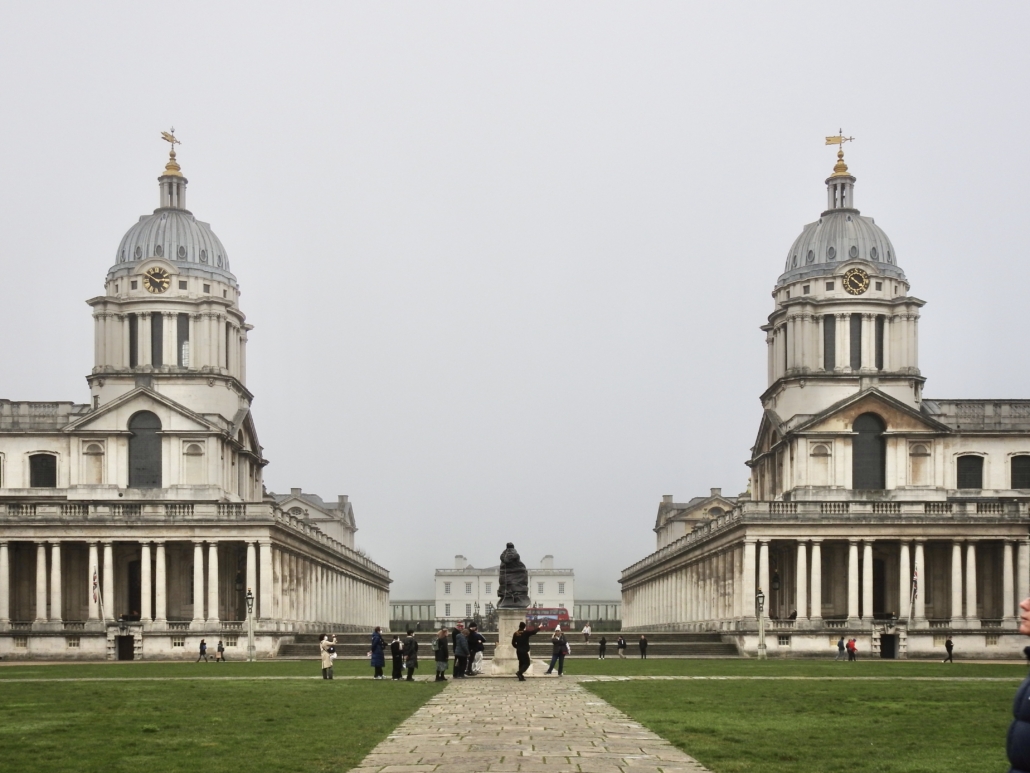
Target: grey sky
<point>507,262</point>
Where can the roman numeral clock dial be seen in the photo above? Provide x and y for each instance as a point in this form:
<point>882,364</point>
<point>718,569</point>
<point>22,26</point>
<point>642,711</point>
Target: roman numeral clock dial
<point>156,280</point>
<point>856,281</point>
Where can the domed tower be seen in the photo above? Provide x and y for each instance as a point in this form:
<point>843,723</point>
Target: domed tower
<point>843,321</point>
<point>170,324</point>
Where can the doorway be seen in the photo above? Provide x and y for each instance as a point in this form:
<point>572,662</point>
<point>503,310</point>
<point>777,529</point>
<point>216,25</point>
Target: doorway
<point>126,647</point>
<point>889,646</point>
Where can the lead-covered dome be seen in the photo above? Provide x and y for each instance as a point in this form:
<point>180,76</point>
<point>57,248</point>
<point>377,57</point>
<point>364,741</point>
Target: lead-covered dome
<point>841,234</point>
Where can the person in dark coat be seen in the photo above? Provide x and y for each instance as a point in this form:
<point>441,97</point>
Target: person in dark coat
<point>410,653</point>
<point>1017,744</point>
<point>520,643</point>
<point>440,655</point>
<point>396,651</point>
<point>643,647</point>
<point>461,653</point>
<point>378,652</point>
<point>601,647</point>
<point>558,652</point>
<point>477,643</point>
<point>949,647</point>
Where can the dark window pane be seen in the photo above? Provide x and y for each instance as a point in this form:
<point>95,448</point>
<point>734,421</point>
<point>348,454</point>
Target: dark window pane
<point>144,451</point>
<point>869,453</point>
<point>880,322</point>
<point>1021,472</point>
<point>43,471</point>
<point>157,339</point>
<point>856,341</point>
<point>133,340</point>
<point>829,341</point>
<point>970,472</point>
<point>182,336</point>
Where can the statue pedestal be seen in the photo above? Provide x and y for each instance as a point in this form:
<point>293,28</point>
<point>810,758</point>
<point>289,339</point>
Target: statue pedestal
<point>505,661</point>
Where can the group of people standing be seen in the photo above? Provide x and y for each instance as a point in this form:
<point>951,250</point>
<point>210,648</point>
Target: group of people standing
<point>466,644</point>
<point>847,650</point>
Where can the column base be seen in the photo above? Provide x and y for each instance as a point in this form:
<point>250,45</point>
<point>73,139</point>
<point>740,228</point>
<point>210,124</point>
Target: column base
<point>1009,623</point>
<point>815,623</point>
<point>854,622</point>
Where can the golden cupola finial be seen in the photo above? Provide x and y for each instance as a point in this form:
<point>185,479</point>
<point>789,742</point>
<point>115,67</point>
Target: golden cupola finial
<point>172,168</point>
<point>840,169</point>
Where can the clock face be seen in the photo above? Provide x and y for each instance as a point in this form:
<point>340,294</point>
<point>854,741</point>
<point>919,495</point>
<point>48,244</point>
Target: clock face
<point>157,280</point>
<point>856,281</point>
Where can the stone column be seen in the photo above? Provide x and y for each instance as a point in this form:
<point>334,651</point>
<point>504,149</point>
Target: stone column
<point>763,569</point>
<point>93,572</point>
<point>867,580</point>
<point>904,583</point>
<point>145,612</point>
<point>277,584</point>
<point>1022,573</point>
<point>108,595</point>
<point>1008,606</point>
<point>920,572</point>
<point>126,354</point>
<point>801,581</point>
<point>160,587</point>
<point>817,583</point>
<point>252,575</point>
<point>869,344</point>
<point>143,340</point>
<point>972,620</point>
<point>265,579</point>
<point>5,586</point>
<point>56,610</point>
<point>888,357</point>
<point>41,582</point>
<point>198,584</point>
<point>957,618</point>
<point>843,335</point>
<point>212,583</point>
<point>853,582</point>
<point>747,586</point>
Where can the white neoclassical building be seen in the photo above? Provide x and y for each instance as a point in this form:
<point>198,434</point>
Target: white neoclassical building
<point>872,511</point>
<point>152,491</point>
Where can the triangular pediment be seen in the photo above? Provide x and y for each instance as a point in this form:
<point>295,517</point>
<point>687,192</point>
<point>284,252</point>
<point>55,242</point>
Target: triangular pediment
<point>115,415</point>
<point>898,416</point>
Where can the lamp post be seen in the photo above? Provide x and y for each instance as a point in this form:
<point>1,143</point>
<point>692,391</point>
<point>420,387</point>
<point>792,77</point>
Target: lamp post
<point>250,626</point>
<point>760,601</point>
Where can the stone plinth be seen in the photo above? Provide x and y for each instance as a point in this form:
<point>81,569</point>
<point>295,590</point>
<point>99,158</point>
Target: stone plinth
<point>505,660</point>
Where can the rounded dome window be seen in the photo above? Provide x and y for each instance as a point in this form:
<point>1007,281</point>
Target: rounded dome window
<point>219,261</point>
<point>853,252</point>
<point>139,252</point>
<point>159,250</point>
<point>122,258</point>
<point>203,256</point>
<point>811,256</point>
<point>182,252</point>
<point>889,259</point>
<point>794,262</point>
<point>831,253</point>
<point>873,253</point>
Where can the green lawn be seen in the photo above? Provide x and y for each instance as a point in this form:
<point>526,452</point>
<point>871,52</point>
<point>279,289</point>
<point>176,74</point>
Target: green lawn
<point>194,725</point>
<point>826,726</point>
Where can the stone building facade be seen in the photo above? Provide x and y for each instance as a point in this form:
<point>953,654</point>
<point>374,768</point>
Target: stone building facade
<point>134,524</point>
<point>872,512</point>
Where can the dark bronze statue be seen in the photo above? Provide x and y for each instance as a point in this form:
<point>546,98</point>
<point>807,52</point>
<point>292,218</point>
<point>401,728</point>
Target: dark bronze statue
<point>513,581</point>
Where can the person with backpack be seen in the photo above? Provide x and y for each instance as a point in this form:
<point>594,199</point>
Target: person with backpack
<point>477,643</point>
<point>203,651</point>
<point>220,652</point>
<point>559,649</point>
<point>440,654</point>
<point>410,653</point>
<point>520,643</point>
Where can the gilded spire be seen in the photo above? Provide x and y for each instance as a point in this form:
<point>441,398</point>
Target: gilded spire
<point>172,168</point>
<point>840,169</point>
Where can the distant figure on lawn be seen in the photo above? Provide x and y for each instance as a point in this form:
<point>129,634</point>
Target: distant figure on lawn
<point>643,647</point>
<point>461,653</point>
<point>477,643</point>
<point>1017,745</point>
<point>949,646</point>
<point>203,652</point>
<point>398,659</point>
<point>327,649</point>
<point>410,653</point>
<point>620,647</point>
<point>852,649</point>
<point>601,647</point>
<point>587,630</point>
<point>220,652</point>
<point>440,652</point>
<point>378,652</point>
<point>559,649</point>
<point>840,649</point>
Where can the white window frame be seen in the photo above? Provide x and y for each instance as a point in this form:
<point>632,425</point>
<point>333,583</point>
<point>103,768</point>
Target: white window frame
<point>561,589</point>
<point>468,589</point>
<point>468,610</point>
<point>447,610</point>
<point>540,589</point>
<point>447,589</point>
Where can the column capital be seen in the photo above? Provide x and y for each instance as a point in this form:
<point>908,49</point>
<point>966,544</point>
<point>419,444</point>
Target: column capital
<point>816,541</point>
<point>159,542</point>
<point>853,542</point>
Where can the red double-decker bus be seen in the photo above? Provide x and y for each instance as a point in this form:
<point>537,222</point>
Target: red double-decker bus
<point>547,619</point>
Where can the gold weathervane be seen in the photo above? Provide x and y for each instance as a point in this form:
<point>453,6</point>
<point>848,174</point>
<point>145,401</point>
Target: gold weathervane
<point>840,169</point>
<point>172,167</point>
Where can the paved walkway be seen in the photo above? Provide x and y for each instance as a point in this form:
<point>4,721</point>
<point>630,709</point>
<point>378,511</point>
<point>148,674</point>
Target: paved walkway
<point>537,726</point>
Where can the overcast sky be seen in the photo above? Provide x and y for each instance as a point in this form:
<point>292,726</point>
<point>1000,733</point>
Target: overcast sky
<point>506,262</point>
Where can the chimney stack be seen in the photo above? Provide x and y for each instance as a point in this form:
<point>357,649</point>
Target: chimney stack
<point>295,491</point>
<point>460,562</point>
<point>547,562</point>
<point>716,492</point>
<point>667,499</point>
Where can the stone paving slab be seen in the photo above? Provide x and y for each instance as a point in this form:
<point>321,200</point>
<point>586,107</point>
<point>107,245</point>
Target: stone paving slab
<point>537,726</point>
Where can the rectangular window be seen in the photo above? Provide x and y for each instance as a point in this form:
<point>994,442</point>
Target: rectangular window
<point>856,341</point>
<point>182,331</point>
<point>182,285</point>
<point>829,287</point>
<point>880,323</point>
<point>21,641</point>
<point>468,587</point>
<point>539,587</point>
<point>42,471</point>
<point>488,585</point>
<point>157,339</point>
<point>829,342</point>
<point>879,285</point>
<point>561,606</point>
<point>133,341</point>
<point>561,588</point>
<point>970,472</point>
<point>1021,472</point>
<point>447,588</point>
<point>806,289</point>
<point>73,642</point>
<point>207,288</point>
<point>178,641</point>
<point>991,639</point>
<point>783,641</point>
<point>231,641</point>
<point>468,610</point>
<point>133,284</point>
<point>447,610</point>
<point>788,295</point>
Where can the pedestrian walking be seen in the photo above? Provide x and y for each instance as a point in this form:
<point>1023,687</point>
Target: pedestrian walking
<point>440,654</point>
<point>949,646</point>
<point>852,647</point>
<point>1017,744</point>
<point>587,630</point>
<point>477,643</point>
<point>410,654</point>
<point>600,647</point>
<point>378,652</point>
<point>520,642</point>
<point>461,654</point>
<point>840,650</point>
<point>203,652</point>
<point>220,652</point>
<point>643,647</point>
<point>559,649</point>
<point>327,648</point>
<point>398,658</point>
<point>620,647</point>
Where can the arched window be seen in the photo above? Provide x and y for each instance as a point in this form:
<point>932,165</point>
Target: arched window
<point>919,458</point>
<point>715,512</point>
<point>144,451</point>
<point>1021,472</point>
<point>42,471</point>
<point>869,453</point>
<point>193,458</point>
<point>93,464</point>
<point>970,471</point>
<point>819,467</point>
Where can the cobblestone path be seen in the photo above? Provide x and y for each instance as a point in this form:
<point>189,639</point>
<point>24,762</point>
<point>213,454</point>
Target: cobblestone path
<point>537,726</point>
